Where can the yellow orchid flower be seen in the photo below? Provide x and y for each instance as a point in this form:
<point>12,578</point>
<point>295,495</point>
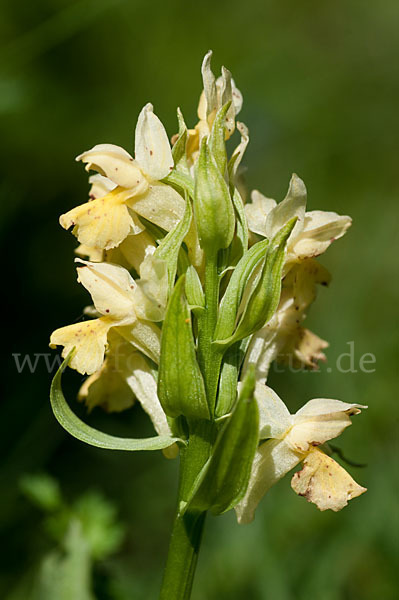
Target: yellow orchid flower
<point>291,439</point>
<point>283,337</point>
<point>215,94</point>
<point>114,294</point>
<point>314,230</point>
<point>132,188</point>
<point>124,377</point>
<point>134,248</point>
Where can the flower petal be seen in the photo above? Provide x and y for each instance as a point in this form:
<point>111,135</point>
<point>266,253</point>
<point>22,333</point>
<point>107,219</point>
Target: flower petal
<point>257,212</point>
<point>152,148</point>
<point>325,483</point>
<point>111,287</point>
<point>116,164</point>
<point>89,339</point>
<point>100,186</point>
<point>93,254</point>
<point>274,416</point>
<point>135,248</point>
<point>293,205</point>
<point>207,108</point>
<point>272,461</point>
<point>319,231</point>
<point>145,336</point>
<point>141,380</point>
<point>106,388</point>
<point>161,204</point>
<point>318,421</point>
<point>151,294</point>
<point>103,223</point>
<point>327,406</point>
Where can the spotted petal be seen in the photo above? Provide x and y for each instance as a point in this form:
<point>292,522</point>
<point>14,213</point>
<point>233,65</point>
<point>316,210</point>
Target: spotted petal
<point>111,287</point>
<point>102,223</point>
<point>116,164</point>
<point>89,340</point>
<point>152,148</point>
<point>325,483</point>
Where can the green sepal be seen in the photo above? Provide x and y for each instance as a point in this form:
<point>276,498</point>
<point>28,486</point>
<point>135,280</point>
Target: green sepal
<point>216,143</point>
<point>169,248</point>
<point>223,480</point>
<point>194,292</point>
<point>213,207</point>
<point>181,389</point>
<point>233,295</point>
<point>179,147</point>
<point>264,299</point>
<point>83,432</point>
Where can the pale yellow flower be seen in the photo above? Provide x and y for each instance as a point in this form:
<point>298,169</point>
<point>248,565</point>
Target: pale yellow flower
<point>283,337</point>
<point>132,188</point>
<point>113,291</point>
<point>291,439</point>
<point>215,94</point>
<point>124,377</point>
<point>134,248</point>
<point>314,230</point>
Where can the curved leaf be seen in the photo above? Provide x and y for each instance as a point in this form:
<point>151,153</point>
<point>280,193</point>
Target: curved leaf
<point>83,432</point>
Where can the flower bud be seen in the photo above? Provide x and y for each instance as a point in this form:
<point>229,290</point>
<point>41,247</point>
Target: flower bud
<point>213,208</point>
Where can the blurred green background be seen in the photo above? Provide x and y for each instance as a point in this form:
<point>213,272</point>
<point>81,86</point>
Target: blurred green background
<point>320,87</point>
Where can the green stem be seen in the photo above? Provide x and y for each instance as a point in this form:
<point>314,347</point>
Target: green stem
<point>209,356</point>
<point>187,529</point>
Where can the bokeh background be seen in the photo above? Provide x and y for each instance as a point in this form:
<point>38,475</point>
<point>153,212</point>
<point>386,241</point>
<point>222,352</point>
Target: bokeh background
<point>320,89</point>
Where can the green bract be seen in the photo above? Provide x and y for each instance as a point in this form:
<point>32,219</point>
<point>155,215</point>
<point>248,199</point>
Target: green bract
<point>264,298</point>
<point>224,480</point>
<point>181,388</point>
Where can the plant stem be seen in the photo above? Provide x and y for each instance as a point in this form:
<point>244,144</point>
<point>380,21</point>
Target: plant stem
<point>209,356</point>
<point>187,529</point>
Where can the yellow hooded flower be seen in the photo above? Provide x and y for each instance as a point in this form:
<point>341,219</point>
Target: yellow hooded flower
<point>132,188</point>
<point>291,439</point>
<point>114,294</point>
<point>283,337</point>
<point>314,230</point>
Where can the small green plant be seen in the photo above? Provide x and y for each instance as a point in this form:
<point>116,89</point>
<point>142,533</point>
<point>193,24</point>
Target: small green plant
<point>82,533</point>
<point>195,294</point>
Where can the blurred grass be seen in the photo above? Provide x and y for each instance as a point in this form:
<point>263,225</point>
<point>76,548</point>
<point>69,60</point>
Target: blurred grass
<point>320,91</point>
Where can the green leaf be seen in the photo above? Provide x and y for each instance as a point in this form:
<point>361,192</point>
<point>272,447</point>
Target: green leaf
<point>235,289</point>
<point>213,208</point>
<point>181,387</point>
<point>194,292</point>
<point>169,248</point>
<point>83,432</point>
<point>224,479</point>
<point>265,297</point>
<point>180,180</point>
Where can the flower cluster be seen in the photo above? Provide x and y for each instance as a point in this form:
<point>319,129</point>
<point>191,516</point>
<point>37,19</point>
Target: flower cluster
<point>194,295</point>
